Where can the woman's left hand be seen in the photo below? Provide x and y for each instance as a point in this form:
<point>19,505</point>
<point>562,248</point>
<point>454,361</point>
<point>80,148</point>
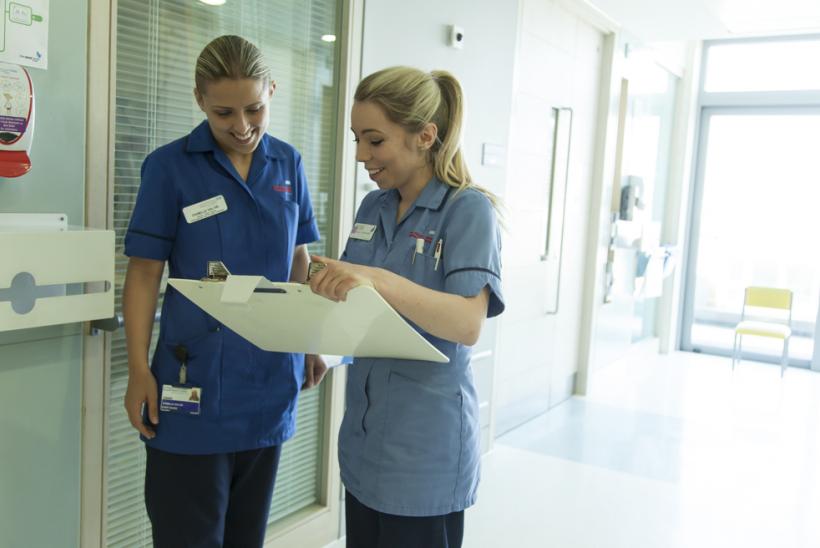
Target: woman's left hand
<point>315,370</point>
<point>339,277</point>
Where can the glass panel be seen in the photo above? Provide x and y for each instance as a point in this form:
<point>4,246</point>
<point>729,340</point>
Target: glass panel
<point>647,140</point>
<point>157,45</point>
<point>763,66</point>
<point>758,225</point>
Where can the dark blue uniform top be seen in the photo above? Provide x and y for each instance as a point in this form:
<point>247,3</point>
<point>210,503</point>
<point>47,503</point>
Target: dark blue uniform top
<point>248,395</point>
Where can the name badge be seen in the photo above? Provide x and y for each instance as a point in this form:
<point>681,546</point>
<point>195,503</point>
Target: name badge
<point>180,399</point>
<point>203,210</point>
<point>362,231</point>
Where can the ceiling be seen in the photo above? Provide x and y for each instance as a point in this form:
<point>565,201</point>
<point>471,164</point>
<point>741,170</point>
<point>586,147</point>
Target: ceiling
<point>673,20</point>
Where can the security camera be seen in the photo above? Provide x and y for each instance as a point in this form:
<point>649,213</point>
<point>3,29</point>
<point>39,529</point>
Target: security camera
<point>456,36</point>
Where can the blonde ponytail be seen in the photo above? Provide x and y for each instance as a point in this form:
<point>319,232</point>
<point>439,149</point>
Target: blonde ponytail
<point>412,99</point>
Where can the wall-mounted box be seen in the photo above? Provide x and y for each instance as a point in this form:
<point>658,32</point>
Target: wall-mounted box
<point>51,274</point>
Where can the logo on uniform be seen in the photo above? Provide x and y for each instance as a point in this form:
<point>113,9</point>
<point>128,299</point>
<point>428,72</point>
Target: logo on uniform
<point>420,236</point>
<point>285,186</point>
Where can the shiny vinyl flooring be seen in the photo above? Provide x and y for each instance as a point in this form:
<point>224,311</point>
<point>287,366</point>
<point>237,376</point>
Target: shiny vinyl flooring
<point>665,452</point>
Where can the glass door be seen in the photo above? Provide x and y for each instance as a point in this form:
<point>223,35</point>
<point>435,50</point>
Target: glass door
<point>647,139</point>
<point>755,222</point>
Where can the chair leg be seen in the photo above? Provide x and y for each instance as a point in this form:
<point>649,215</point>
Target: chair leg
<point>738,351</point>
<point>734,353</point>
<point>785,360</point>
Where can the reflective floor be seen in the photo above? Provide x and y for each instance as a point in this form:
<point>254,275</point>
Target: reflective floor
<point>665,452</point>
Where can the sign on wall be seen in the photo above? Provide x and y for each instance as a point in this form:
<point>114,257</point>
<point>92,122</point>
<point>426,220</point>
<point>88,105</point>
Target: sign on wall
<point>24,32</point>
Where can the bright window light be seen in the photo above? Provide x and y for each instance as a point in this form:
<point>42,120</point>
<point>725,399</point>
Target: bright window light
<point>213,2</point>
<point>789,65</point>
<point>328,38</point>
<point>758,223</point>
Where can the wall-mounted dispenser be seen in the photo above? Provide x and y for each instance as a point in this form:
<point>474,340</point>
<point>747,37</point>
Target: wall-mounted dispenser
<point>631,197</point>
<point>16,120</point>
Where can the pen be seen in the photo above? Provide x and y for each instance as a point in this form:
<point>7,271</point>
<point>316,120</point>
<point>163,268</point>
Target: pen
<point>437,252</point>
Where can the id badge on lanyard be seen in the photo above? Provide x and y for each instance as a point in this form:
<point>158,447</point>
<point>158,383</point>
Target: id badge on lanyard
<point>181,397</point>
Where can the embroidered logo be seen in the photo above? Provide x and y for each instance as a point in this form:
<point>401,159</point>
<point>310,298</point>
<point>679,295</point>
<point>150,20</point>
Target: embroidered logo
<point>284,187</point>
<point>420,236</point>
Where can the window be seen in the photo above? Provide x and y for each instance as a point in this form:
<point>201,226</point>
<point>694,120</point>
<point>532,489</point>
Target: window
<point>157,45</point>
<point>758,224</point>
<point>753,220</point>
<point>763,66</point>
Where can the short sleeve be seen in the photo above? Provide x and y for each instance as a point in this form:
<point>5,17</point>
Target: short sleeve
<point>471,249</point>
<point>153,226</point>
<point>308,230</point>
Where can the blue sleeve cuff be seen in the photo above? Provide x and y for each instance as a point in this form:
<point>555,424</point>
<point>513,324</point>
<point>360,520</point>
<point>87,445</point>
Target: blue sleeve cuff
<point>147,246</point>
<point>468,282</point>
<point>307,232</point>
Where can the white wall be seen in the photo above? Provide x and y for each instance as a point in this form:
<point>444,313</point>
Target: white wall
<point>557,64</point>
<point>415,33</point>
<point>675,224</point>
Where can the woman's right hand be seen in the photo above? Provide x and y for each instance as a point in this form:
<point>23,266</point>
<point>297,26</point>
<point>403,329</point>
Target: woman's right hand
<point>338,277</point>
<point>139,303</point>
<point>142,390</point>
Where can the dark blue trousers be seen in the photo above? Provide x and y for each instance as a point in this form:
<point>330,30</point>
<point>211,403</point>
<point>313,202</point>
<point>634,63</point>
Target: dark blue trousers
<point>368,528</point>
<point>204,501</point>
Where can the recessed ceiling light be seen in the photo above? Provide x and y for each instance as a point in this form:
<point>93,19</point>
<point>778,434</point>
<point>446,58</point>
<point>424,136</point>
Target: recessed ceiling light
<point>328,38</point>
<point>213,2</point>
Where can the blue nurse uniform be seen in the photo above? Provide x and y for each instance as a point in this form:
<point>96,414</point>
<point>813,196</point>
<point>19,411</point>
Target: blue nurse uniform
<point>409,441</point>
<point>248,397</point>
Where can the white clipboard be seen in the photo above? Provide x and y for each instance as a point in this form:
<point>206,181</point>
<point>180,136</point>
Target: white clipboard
<point>289,317</point>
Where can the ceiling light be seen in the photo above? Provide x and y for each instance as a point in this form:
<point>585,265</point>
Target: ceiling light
<point>328,38</point>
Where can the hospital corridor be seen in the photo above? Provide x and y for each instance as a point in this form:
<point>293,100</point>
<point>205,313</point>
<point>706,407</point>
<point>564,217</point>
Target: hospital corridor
<point>389,274</point>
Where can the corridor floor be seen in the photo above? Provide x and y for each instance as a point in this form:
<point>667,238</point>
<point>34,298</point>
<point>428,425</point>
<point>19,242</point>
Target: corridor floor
<point>671,451</point>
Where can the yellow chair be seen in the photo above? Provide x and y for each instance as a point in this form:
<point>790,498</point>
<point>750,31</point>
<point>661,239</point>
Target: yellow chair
<point>769,298</point>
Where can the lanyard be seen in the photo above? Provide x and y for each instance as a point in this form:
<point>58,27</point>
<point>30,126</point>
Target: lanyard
<point>181,354</point>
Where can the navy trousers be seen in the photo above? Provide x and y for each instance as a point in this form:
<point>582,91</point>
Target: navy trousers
<point>368,528</point>
<point>205,501</point>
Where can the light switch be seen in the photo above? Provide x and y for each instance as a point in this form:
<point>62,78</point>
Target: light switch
<point>493,155</point>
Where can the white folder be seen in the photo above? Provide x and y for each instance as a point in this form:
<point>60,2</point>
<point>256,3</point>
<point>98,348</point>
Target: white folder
<point>289,317</point>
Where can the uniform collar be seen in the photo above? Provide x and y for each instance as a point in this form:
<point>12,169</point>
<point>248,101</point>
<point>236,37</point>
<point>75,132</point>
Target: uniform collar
<point>202,140</point>
<point>432,195</point>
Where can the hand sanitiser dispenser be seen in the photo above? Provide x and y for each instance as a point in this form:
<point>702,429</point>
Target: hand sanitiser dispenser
<point>16,120</point>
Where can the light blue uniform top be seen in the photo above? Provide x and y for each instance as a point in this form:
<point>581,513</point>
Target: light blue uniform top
<point>409,442</point>
<point>248,395</point>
